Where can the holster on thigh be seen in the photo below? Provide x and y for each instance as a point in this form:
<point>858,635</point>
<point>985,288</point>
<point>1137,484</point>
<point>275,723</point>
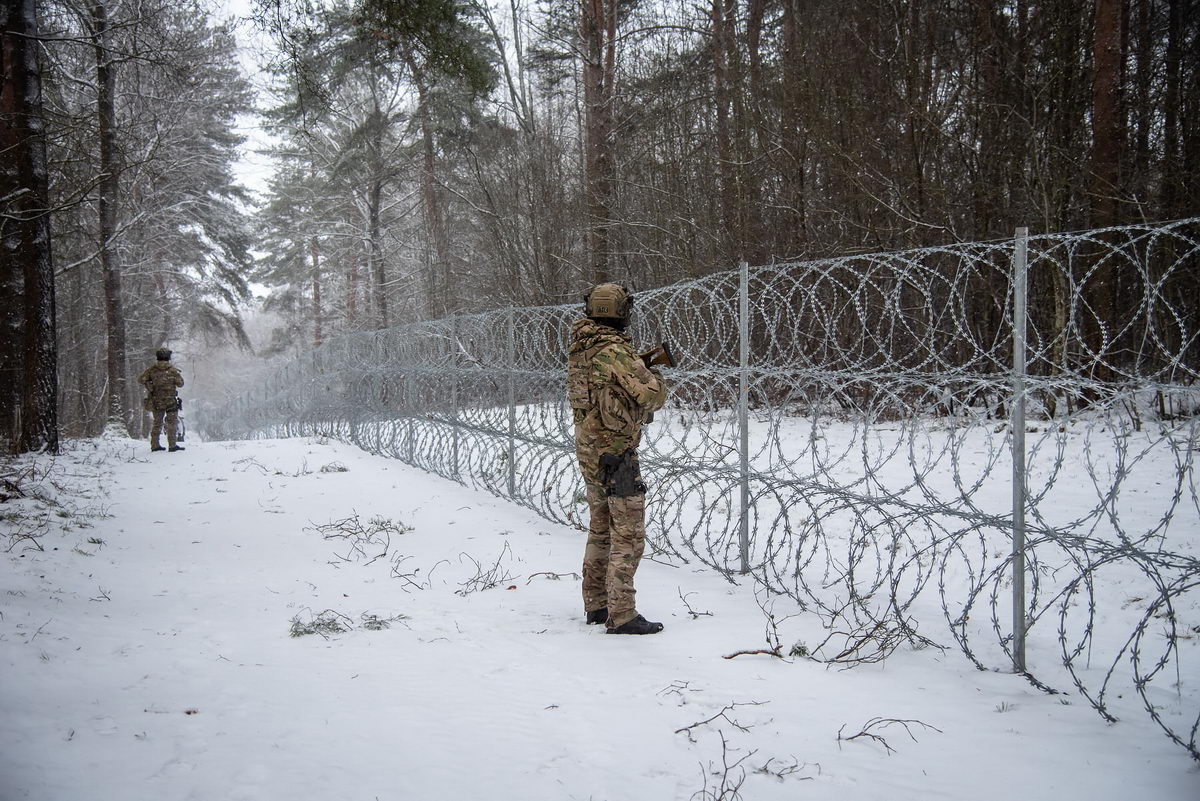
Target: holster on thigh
<point>620,474</point>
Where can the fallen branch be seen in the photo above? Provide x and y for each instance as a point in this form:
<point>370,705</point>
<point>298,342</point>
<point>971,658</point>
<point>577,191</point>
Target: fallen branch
<point>881,723</point>
<point>678,688</point>
<point>868,641</point>
<point>695,615</point>
<point>39,631</point>
<point>764,651</point>
<point>550,575</point>
<point>375,534</point>
<point>731,776</point>
<point>784,770</point>
<point>722,715</point>
<point>485,579</point>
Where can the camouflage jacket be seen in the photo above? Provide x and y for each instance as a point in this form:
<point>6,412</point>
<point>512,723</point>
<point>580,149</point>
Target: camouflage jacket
<point>610,389</point>
<point>160,380</point>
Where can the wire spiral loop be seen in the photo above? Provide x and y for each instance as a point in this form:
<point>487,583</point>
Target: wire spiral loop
<point>880,389</point>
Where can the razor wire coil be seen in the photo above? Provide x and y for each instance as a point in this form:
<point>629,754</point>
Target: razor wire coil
<point>880,390</point>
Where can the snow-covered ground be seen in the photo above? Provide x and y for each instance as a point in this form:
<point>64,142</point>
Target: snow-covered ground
<point>147,653</point>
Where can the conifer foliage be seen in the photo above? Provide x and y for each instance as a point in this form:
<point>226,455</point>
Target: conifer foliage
<point>442,157</point>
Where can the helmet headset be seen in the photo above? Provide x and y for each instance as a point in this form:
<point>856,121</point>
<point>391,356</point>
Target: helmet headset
<point>609,302</point>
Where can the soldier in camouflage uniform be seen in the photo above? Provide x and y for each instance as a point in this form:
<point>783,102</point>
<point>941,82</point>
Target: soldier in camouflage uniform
<point>612,392</point>
<point>161,379</point>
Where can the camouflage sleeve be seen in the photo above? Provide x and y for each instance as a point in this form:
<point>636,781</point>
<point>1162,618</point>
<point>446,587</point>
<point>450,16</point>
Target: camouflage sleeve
<point>144,378</point>
<point>178,378</point>
<point>646,388</point>
<point>661,398</point>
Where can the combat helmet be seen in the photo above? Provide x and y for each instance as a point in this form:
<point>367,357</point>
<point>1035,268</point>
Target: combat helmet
<point>609,301</point>
<point>163,354</point>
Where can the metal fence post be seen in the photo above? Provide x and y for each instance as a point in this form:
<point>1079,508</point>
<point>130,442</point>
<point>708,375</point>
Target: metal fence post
<point>410,415</point>
<point>744,413</point>
<point>1020,270</point>
<point>512,402</point>
<point>455,379</point>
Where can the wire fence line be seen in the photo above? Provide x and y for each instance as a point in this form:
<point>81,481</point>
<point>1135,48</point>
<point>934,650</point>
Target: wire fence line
<point>844,431</point>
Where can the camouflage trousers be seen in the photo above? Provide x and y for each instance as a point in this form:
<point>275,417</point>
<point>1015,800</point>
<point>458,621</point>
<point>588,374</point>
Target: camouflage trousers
<point>172,420</point>
<point>616,539</point>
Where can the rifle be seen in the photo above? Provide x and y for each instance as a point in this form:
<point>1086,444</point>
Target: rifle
<point>660,355</point>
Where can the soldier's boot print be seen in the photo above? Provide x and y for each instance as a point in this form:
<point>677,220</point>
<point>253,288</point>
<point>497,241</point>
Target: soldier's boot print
<point>627,535</point>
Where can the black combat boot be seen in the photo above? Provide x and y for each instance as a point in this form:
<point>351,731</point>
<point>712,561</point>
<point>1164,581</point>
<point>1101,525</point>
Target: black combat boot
<point>157,448</point>
<point>639,625</point>
<point>174,448</point>
<point>597,616</point>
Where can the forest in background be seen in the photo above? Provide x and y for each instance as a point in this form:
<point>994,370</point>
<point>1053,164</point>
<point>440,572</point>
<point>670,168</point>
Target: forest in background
<point>436,157</point>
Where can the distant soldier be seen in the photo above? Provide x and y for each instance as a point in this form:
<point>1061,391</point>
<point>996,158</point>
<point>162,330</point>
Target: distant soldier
<point>161,379</point>
<point>612,392</point>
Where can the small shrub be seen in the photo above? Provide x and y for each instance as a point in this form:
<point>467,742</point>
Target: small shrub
<point>328,623</point>
<point>375,623</point>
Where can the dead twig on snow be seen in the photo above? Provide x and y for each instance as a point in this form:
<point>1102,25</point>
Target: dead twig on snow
<point>881,723</point>
<point>730,777</point>
<point>552,576</point>
<point>485,579</point>
<point>722,715</point>
<point>695,615</point>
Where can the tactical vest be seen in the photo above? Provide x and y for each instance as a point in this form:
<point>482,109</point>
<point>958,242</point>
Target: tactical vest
<point>161,384</point>
<point>579,368</point>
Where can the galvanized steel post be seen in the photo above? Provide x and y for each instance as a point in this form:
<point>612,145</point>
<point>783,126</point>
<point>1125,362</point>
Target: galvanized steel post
<point>410,416</point>
<point>512,402</point>
<point>744,413</point>
<point>1020,270</point>
<point>455,379</point>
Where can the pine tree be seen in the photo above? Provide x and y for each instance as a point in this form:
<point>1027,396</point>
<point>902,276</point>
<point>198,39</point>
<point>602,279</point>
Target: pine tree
<point>28,351</point>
